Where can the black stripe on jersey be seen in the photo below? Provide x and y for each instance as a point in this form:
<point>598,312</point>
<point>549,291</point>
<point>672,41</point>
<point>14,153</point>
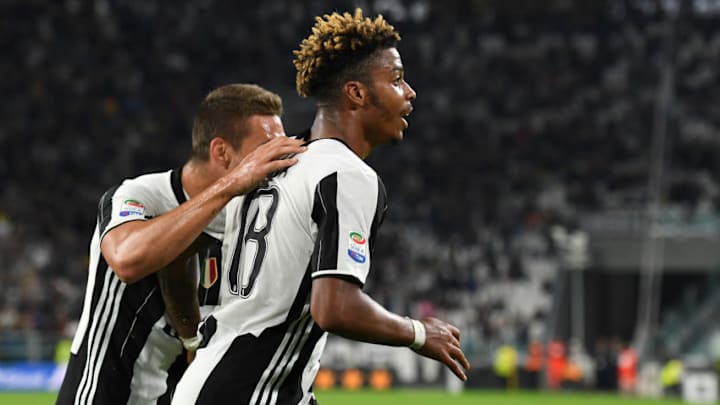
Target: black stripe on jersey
<point>85,367</point>
<point>302,296</point>
<point>345,277</point>
<point>78,363</point>
<point>94,387</point>
<point>238,372</point>
<point>277,370</point>
<point>73,374</point>
<point>255,369</point>
<point>138,309</point>
<point>290,392</point>
<point>325,215</point>
<point>175,372</point>
<point>176,184</point>
<point>141,307</point>
<point>97,329</point>
<point>379,217</point>
<point>105,209</point>
<point>207,330</point>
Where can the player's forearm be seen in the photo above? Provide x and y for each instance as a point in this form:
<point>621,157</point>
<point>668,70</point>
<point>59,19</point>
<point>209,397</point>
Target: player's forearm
<point>368,321</point>
<point>348,312</point>
<point>137,249</point>
<point>176,230</point>
<point>178,285</point>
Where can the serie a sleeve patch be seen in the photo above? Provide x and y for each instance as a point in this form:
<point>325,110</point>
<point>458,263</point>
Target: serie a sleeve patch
<point>357,247</point>
<point>131,207</point>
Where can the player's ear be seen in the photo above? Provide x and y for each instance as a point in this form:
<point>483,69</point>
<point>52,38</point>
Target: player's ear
<point>218,152</point>
<point>356,93</point>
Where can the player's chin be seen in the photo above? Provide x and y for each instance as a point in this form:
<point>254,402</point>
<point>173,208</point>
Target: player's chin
<point>397,137</point>
<point>400,134</point>
<point>392,136</point>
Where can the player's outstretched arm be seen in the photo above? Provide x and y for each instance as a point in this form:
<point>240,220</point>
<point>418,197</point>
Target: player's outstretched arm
<point>341,307</point>
<point>137,249</point>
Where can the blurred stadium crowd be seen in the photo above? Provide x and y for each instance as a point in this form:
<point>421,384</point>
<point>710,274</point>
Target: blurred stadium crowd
<point>525,121</point>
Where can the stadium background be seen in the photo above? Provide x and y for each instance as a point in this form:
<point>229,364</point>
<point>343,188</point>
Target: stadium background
<point>558,182</point>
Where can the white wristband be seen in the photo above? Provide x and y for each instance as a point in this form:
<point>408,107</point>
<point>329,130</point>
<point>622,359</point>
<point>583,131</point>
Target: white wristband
<point>191,344</point>
<point>419,329</point>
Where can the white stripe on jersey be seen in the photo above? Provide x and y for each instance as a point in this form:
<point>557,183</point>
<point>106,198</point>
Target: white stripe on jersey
<point>100,334</point>
<point>85,317</point>
<point>292,360</point>
<point>108,331</point>
<point>282,354</point>
<point>91,347</point>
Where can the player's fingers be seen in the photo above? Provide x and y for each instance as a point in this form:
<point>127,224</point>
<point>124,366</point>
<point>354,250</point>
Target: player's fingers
<point>453,340</point>
<point>454,367</point>
<point>281,152</point>
<point>455,331</point>
<point>276,151</point>
<point>284,139</point>
<point>276,165</point>
<point>457,354</point>
<point>270,146</point>
<point>287,150</point>
<point>281,141</point>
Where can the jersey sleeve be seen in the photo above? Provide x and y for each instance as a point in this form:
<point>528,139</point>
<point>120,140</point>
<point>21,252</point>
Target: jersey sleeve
<point>348,208</point>
<point>125,203</point>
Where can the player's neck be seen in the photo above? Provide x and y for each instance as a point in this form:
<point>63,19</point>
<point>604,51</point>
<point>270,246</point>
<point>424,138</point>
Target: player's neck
<point>197,176</point>
<point>343,125</point>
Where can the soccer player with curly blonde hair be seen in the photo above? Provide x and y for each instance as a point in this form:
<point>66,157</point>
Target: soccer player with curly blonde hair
<point>299,249</point>
<point>351,66</point>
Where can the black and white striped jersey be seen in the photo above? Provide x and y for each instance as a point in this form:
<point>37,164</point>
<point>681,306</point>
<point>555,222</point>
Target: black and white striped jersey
<point>317,219</point>
<point>124,350</point>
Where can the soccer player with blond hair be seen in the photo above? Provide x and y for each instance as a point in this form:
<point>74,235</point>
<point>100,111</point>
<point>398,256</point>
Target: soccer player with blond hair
<point>298,251</point>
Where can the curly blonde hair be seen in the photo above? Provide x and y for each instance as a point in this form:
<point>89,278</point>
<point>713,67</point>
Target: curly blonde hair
<point>337,50</point>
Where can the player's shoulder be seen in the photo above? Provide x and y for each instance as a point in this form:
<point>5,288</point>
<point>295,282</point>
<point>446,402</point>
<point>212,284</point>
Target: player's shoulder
<point>150,180</point>
<point>155,188</point>
<point>330,155</point>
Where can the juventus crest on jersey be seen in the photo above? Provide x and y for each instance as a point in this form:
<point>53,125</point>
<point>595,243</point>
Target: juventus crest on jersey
<point>318,219</point>
<point>124,350</point>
